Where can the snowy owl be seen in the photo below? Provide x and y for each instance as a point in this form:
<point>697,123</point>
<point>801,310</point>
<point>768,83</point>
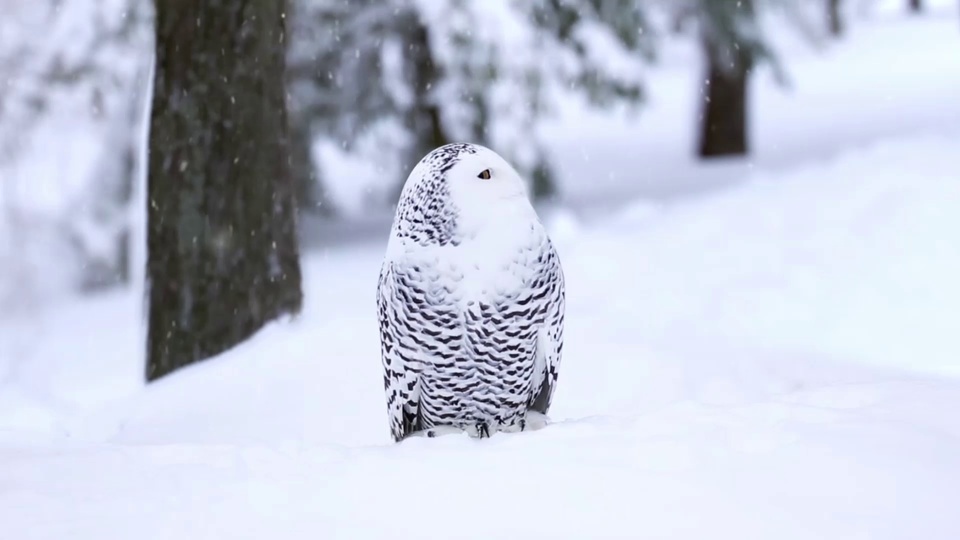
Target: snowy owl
<point>470,301</point>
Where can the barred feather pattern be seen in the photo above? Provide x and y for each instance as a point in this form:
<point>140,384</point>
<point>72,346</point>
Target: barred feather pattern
<point>460,348</point>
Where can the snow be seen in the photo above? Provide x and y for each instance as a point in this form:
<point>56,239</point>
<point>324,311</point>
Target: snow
<point>776,360</point>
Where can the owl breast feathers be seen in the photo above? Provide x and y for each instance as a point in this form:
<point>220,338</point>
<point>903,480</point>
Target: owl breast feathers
<point>470,301</point>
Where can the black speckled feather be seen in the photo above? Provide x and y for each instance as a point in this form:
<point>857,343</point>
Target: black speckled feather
<point>468,339</point>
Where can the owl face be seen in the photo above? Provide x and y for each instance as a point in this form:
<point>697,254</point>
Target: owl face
<point>458,191</point>
<point>483,182</point>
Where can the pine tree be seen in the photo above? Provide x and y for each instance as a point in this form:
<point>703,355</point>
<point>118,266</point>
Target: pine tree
<point>582,29</point>
<point>422,117</point>
<point>396,78</point>
<point>86,62</point>
<point>222,251</point>
<point>732,45</point>
<point>338,89</point>
<point>306,181</point>
<point>594,48</point>
<point>312,196</point>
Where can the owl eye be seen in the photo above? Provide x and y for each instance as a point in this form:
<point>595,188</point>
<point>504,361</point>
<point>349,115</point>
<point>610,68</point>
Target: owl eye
<point>485,174</point>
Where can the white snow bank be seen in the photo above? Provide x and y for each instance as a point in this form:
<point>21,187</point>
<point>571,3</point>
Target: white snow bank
<point>758,364</point>
<point>843,462</point>
<point>857,257</point>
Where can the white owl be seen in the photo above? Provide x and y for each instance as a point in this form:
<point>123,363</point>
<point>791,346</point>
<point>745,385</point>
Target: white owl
<point>470,301</point>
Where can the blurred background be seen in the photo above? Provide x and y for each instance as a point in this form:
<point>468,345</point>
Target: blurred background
<point>756,204</point>
<point>596,102</point>
<point>624,116</point>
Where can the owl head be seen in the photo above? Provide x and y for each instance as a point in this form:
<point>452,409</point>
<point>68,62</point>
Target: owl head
<point>458,188</point>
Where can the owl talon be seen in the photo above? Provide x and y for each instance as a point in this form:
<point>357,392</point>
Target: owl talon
<point>433,348</point>
<point>436,431</point>
<point>514,427</point>
<point>480,430</point>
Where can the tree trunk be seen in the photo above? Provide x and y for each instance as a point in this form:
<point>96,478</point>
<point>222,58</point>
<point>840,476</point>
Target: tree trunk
<point>222,251</point>
<point>834,19</point>
<point>915,6</point>
<point>130,167</point>
<point>723,129</point>
<point>543,184</point>
<point>423,120</point>
<point>311,196</point>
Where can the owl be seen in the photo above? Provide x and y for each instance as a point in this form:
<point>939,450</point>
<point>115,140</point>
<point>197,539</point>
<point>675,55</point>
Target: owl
<point>470,301</point>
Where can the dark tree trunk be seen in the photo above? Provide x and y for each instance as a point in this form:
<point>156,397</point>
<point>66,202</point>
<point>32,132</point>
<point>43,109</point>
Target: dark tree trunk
<point>915,6</point>
<point>123,274</point>
<point>222,256</point>
<point>723,129</point>
<point>423,120</point>
<point>834,19</point>
<point>311,196</point>
<point>543,185</point>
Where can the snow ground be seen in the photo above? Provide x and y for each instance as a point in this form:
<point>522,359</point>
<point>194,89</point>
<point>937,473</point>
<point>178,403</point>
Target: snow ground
<point>778,360</point>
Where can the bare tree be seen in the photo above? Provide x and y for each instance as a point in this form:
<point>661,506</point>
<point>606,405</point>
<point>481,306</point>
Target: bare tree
<point>222,253</point>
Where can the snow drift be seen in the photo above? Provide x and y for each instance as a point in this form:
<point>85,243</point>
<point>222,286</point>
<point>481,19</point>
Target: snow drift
<point>769,362</point>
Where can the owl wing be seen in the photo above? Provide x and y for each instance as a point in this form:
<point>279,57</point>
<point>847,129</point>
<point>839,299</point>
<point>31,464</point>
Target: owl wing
<point>401,366</point>
<point>550,336</point>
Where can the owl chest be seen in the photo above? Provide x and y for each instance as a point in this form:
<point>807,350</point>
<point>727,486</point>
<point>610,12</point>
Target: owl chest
<point>478,297</point>
<point>479,357</point>
<point>483,271</point>
<point>485,367</point>
<point>489,329</point>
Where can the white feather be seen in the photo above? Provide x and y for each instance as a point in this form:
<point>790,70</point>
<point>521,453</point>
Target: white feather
<point>471,296</point>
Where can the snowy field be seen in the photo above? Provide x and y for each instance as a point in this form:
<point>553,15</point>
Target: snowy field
<point>778,360</point>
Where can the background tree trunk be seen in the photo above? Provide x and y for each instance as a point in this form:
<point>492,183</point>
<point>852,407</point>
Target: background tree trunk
<point>834,18</point>
<point>426,121</point>
<point>915,6</point>
<point>222,251</point>
<point>311,196</point>
<point>723,129</point>
<point>423,119</point>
